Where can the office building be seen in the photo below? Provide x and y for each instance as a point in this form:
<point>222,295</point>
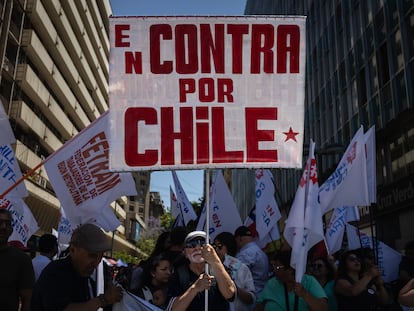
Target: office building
<point>53,83</point>
<point>359,71</point>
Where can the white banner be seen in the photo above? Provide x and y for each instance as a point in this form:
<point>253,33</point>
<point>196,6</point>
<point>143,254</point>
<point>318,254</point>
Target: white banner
<point>79,173</point>
<point>24,224</point>
<point>224,216</point>
<point>267,211</point>
<point>10,173</point>
<point>371,153</point>
<point>388,258</point>
<point>335,231</point>
<point>304,226</point>
<point>183,204</point>
<point>206,92</point>
<point>348,184</point>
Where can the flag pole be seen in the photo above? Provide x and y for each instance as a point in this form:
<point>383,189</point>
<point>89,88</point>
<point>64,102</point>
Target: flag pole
<point>18,182</point>
<point>207,228</point>
<point>374,242</point>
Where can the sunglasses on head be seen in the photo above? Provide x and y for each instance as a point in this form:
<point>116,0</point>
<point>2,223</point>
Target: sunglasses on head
<point>194,243</point>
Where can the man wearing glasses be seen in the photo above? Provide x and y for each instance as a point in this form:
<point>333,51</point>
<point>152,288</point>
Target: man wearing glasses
<point>16,270</point>
<point>189,281</point>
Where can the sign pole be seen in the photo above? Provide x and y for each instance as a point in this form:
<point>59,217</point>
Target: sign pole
<point>207,228</point>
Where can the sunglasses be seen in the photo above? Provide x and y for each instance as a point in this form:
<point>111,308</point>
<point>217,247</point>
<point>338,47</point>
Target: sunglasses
<point>195,243</point>
<point>278,267</point>
<point>353,258</point>
<point>217,245</point>
<point>317,266</point>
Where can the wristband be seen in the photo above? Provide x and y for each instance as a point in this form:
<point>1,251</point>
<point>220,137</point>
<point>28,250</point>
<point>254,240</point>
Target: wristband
<point>103,301</point>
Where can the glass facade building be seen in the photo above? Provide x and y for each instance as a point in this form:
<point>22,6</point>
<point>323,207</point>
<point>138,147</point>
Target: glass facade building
<point>360,71</point>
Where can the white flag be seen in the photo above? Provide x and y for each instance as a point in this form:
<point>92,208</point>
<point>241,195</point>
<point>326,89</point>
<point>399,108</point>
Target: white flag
<point>336,227</point>
<point>202,219</point>
<point>131,302</point>
<point>304,224</point>
<point>24,224</point>
<point>65,228</point>
<point>80,175</point>
<point>183,204</point>
<point>10,173</point>
<point>371,164</point>
<point>175,211</point>
<point>7,136</point>
<point>388,258</point>
<point>224,216</point>
<point>267,211</point>
<point>348,183</point>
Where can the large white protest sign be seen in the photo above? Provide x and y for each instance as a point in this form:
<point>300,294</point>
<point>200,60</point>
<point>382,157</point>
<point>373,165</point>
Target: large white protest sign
<point>203,92</point>
<point>79,173</point>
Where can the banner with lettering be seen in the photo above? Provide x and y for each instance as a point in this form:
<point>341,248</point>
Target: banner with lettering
<point>206,92</point>
<point>388,258</point>
<point>79,173</point>
<point>23,222</point>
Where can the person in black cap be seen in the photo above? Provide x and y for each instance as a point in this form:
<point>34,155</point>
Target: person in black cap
<point>65,284</point>
<point>252,255</point>
<point>186,290</point>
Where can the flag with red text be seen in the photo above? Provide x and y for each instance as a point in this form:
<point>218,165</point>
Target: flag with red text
<point>304,226</point>
<point>267,211</point>
<point>348,184</point>
<point>80,175</point>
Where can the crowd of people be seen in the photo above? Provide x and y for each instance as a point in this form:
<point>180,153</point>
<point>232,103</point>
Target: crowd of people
<point>185,268</point>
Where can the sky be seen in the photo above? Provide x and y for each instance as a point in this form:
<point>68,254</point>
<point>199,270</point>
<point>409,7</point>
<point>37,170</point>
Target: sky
<point>191,180</point>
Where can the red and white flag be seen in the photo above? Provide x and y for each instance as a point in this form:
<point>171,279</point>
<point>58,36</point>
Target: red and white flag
<point>183,204</point>
<point>304,226</point>
<point>267,211</point>
<point>7,136</point>
<point>348,184</point>
<point>80,175</point>
<point>23,222</point>
<point>371,164</point>
<point>335,231</point>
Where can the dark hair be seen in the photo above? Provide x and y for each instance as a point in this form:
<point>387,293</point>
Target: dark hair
<point>6,212</point>
<point>177,235</point>
<point>150,265</point>
<point>331,270</point>
<point>342,270</point>
<point>160,244</point>
<point>229,241</point>
<point>284,257</point>
<point>47,243</point>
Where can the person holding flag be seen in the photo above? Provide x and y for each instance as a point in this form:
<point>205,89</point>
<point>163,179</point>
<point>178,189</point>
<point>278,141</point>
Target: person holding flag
<point>283,293</point>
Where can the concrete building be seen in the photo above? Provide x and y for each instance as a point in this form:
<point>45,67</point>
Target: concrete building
<point>53,83</point>
<point>360,71</point>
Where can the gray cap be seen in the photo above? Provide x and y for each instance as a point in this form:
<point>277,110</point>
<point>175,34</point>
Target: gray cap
<point>91,238</point>
<point>195,235</point>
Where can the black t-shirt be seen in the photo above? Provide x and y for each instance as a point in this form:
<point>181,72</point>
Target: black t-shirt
<point>16,273</point>
<point>183,278</point>
<point>58,286</point>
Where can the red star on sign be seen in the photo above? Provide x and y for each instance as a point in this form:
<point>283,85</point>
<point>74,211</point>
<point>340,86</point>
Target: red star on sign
<point>291,134</point>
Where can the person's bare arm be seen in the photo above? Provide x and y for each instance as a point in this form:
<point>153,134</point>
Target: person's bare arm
<point>25,297</point>
<point>406,294</point>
